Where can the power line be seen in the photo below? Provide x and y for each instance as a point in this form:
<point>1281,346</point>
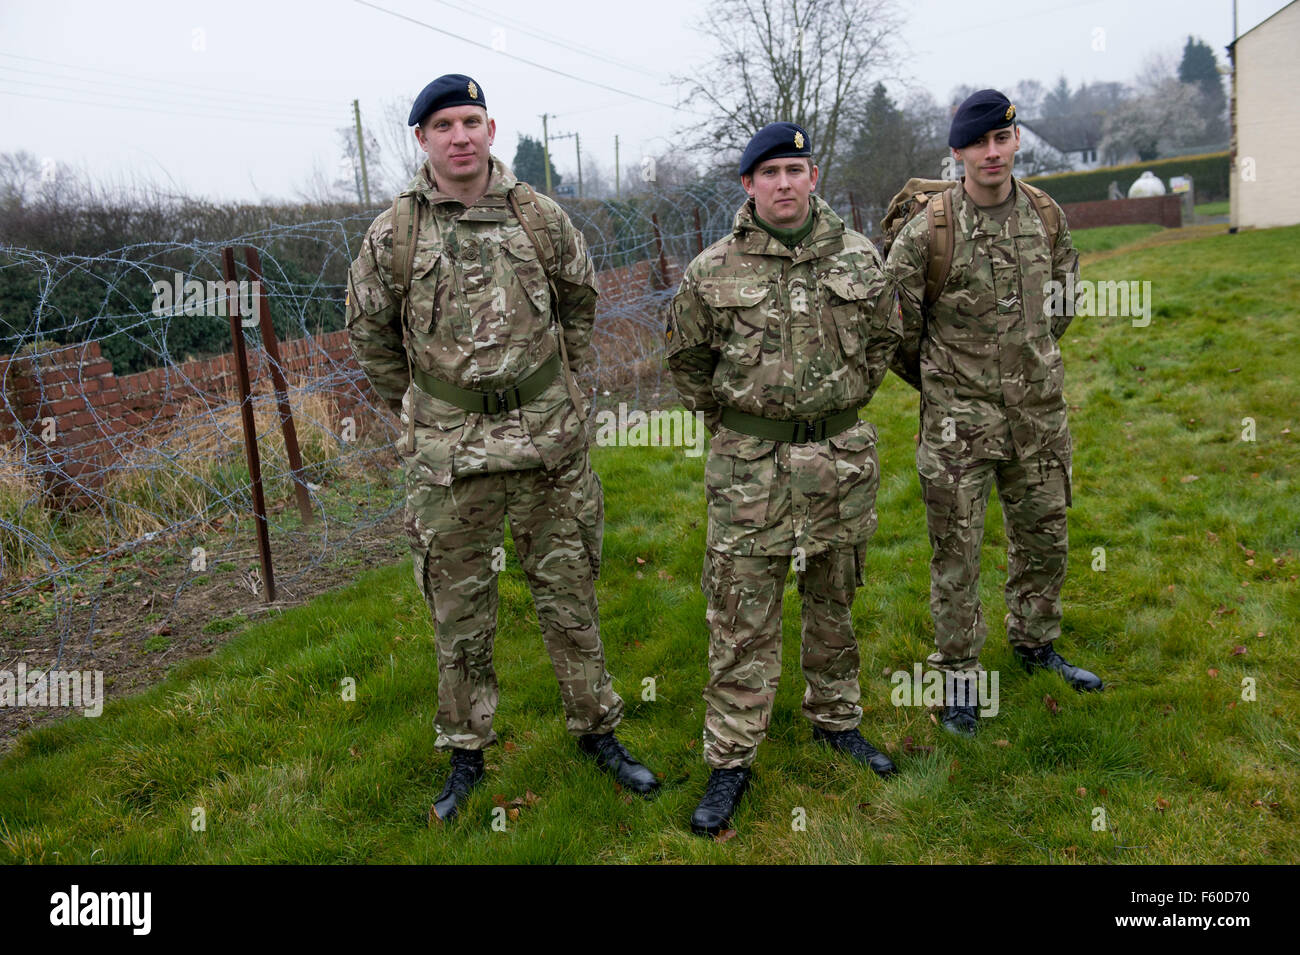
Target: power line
<point>193,114</point>
<point>548,37</point>
<point>532,63</point>
<point>309,102</point>
<point>186,100</point>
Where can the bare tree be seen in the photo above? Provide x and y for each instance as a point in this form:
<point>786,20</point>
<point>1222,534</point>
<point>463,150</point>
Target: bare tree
<point>810,62</point>
<point>400,156</point>
<point>1163,115</point>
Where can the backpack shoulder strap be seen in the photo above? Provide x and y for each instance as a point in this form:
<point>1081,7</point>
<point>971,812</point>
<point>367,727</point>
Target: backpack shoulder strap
<point>406,226</point>
<point>938,214</point>
<point>524,204</point>
<point>1046,209</point>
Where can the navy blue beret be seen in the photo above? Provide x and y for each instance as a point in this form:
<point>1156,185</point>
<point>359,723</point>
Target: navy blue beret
<point>775,141</point>
<point>981,111</point>
<point>454,89</point>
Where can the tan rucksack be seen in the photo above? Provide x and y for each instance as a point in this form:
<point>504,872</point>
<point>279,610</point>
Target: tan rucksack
<point>935,197</point>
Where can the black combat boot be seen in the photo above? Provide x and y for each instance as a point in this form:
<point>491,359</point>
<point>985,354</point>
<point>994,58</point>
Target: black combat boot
<point>852,743</point>
<point>466,773</point>
<point>613,758</point>
<point>961,720</point>
<point>961,703</point>
<point>1046,658</point>
<point>724,790</point>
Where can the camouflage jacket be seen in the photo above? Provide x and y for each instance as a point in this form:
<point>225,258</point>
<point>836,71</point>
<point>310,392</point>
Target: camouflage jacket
<point>793,335</point>
<point>479,315</point>
<point>985,356</point>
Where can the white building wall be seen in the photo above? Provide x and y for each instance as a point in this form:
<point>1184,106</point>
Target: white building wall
<point>1268,123</point>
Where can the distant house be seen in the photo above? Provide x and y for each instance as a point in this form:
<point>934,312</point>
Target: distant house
<point>1076,139</point>
<point>1037,156</point>
<point>1264,189</point>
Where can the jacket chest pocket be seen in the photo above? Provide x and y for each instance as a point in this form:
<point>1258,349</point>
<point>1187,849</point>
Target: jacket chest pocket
<point>422,296</point>
<point>849,299</point>
<point>521,258</point>
<point>740,307</point>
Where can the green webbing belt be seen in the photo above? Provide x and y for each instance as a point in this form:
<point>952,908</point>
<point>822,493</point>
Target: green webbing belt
<point>491,402</point>
<point>799,432</point>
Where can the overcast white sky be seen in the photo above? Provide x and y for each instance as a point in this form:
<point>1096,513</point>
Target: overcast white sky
<point>241,98</point>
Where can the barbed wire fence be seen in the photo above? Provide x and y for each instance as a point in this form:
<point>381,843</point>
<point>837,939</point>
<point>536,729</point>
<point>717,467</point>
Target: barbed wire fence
<point>146,489</point>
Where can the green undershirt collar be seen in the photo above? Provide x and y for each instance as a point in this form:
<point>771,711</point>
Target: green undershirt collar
<point>788,237</point>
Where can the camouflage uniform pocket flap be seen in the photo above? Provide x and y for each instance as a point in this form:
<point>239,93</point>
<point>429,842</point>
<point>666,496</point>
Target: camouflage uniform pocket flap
<point>732,293</point>
<point>847,286</point>
<point>736,445</point>
<point>431,412</point>
<point>861,435</point>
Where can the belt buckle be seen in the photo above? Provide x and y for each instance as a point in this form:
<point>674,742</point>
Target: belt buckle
<point>493,402</point>
<point>809,429</point>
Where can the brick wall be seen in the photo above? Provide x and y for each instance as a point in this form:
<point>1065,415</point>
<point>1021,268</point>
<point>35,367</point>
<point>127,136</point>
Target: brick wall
<point>1159,210</point>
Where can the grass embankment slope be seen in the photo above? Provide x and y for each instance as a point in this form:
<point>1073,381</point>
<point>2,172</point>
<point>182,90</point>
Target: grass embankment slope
<point>1201,541</point>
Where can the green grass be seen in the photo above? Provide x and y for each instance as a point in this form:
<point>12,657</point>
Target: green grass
<point>285,770</point>
<point>1212,208</point>
<point>1106,238</point>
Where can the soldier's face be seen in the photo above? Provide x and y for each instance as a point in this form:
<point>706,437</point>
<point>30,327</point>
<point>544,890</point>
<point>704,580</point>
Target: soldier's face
<point>780,189</point>
<point>457,140</point>
<point>988,160</point>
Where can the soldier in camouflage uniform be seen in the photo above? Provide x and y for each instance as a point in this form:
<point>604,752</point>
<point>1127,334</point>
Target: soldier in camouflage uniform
<point>476,339</point>
<point>984,356</point>
<point>779,334</point>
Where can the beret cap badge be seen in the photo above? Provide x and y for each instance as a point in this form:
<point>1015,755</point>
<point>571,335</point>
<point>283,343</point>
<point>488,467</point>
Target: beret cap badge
<point>798,139</point>
<point>472,89</point>
<point>1011,112</point>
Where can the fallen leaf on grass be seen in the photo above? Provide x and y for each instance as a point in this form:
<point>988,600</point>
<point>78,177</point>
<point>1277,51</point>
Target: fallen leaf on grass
<point>911,748</point>
<point>1188,479</point>
<point>1081,792</point>
<point>1002,743</point>
<point>640,560</point>
<point>1212,672</point>
<point>726,835</point>
<point>1052,706</point>
<point>1238,651</point>
<point>510,747</point>
<point>1162,804</point>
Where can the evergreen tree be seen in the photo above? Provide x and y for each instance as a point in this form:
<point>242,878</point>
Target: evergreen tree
<point>1199,68</point>
<point>530,163</point>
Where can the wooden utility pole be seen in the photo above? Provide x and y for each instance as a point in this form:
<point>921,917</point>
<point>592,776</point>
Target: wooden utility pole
<point>546,153</point>
<point>361,150</point>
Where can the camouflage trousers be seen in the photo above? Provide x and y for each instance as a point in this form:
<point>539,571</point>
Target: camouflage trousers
<point>456,535</point>
<point>744,596</point>
<point>1035,493</point>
